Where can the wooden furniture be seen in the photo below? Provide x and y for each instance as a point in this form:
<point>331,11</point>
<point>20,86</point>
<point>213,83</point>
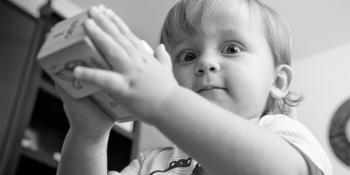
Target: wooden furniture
<point>32,121</point>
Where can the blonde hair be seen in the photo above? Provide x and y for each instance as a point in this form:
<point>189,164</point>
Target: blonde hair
<point>180,18</point>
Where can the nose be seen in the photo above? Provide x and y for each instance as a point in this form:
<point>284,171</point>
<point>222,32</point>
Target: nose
<point>207,64</point>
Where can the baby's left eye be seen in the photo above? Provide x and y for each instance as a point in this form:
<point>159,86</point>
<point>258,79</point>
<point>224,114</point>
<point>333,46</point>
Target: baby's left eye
<point>232,48</point>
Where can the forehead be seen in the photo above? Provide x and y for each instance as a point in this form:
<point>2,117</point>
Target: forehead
<point>220,17</point>
<point>229,14</point>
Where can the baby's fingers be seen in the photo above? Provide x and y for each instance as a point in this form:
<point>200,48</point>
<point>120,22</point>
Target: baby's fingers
<point>163,56</point>
<point>147,47</point>
<point>124,29</point>
<point>114,54</point>
<point>108,80</point>
<point>100,16</point>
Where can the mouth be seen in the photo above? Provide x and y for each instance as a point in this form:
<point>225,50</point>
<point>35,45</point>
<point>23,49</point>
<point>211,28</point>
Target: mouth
<point>210,88</point>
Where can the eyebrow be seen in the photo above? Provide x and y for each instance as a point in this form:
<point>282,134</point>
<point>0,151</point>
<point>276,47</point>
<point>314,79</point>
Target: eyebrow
<point>230,32</point>
<point>241,35</point>
<point>225,34</point>
<point>175,41</point>
<point>176,47</point>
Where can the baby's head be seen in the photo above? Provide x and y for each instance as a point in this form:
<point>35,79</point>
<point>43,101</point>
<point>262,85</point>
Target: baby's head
<point>235,53</point>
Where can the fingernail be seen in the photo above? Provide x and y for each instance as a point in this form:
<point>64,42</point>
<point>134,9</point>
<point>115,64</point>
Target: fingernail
<point>94,10</point>
<point>89,23</point>
<point>77,71</point>
<point>102,7</point>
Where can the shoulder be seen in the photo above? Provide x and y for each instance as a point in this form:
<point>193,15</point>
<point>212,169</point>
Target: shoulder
<point>278,121</point>
<point>301,138</point>
<point>287,127</point>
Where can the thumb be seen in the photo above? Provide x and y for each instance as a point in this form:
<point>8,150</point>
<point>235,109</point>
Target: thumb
<point>163,56</point>
<point>107,80</point>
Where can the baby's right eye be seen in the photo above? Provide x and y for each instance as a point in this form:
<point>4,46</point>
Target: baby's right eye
<point>185,56</point>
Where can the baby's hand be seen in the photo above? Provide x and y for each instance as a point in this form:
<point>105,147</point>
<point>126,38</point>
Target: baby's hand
<point>85,118</point>
<point>138,80</point>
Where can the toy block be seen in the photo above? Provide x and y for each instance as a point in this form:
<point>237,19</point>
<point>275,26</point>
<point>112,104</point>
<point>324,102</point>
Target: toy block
<point>67,46</point>
<point>110,107</point>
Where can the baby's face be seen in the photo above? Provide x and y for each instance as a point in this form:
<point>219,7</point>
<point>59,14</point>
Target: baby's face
<point>229,62</point>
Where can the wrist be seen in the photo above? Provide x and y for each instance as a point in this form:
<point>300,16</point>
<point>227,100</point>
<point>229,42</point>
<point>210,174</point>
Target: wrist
<point>161,114</point>
<point>90,136</point>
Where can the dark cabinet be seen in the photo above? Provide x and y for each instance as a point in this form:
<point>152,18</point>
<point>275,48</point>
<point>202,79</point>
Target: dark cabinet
<point>32,121</point>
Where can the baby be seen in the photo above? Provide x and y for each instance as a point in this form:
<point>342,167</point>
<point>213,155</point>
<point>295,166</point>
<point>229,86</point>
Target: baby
<point>217,86</point>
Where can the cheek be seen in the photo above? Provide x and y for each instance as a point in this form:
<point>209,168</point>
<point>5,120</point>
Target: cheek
<point>248,85</point>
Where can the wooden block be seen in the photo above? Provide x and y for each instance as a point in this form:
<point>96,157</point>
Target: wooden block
<point>109,105</point>
<point>68,46</point>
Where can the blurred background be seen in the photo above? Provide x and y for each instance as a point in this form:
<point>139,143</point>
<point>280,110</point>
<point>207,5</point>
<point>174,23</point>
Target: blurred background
<point>33,124</point>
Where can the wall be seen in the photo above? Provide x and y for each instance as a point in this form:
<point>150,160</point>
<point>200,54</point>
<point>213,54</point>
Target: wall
<point>324,79</point>
<point>312,20</point>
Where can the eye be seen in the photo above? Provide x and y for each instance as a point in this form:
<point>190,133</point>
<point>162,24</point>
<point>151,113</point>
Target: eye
<point>232,48</point>
<point>186,56</point>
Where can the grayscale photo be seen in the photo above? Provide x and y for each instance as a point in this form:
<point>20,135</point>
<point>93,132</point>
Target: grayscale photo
<point>175,87</point>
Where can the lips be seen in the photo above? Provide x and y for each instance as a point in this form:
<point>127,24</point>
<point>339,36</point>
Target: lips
<point>210,88</point>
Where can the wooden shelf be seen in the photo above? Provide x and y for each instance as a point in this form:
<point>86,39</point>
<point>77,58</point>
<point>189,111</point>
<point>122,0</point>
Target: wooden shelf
<point>42,144</point>
<point>37,116</point>
<point>40,156</point>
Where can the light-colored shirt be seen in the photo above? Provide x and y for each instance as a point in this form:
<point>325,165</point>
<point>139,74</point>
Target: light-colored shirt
<point>173,161</point>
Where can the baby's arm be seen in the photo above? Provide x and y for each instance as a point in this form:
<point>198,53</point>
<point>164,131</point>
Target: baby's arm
<point>84,148</point>
<point>223,142</point>
<point>83,156</point>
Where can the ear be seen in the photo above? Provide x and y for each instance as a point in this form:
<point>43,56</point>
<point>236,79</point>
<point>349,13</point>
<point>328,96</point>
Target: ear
<point>283,79</point>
